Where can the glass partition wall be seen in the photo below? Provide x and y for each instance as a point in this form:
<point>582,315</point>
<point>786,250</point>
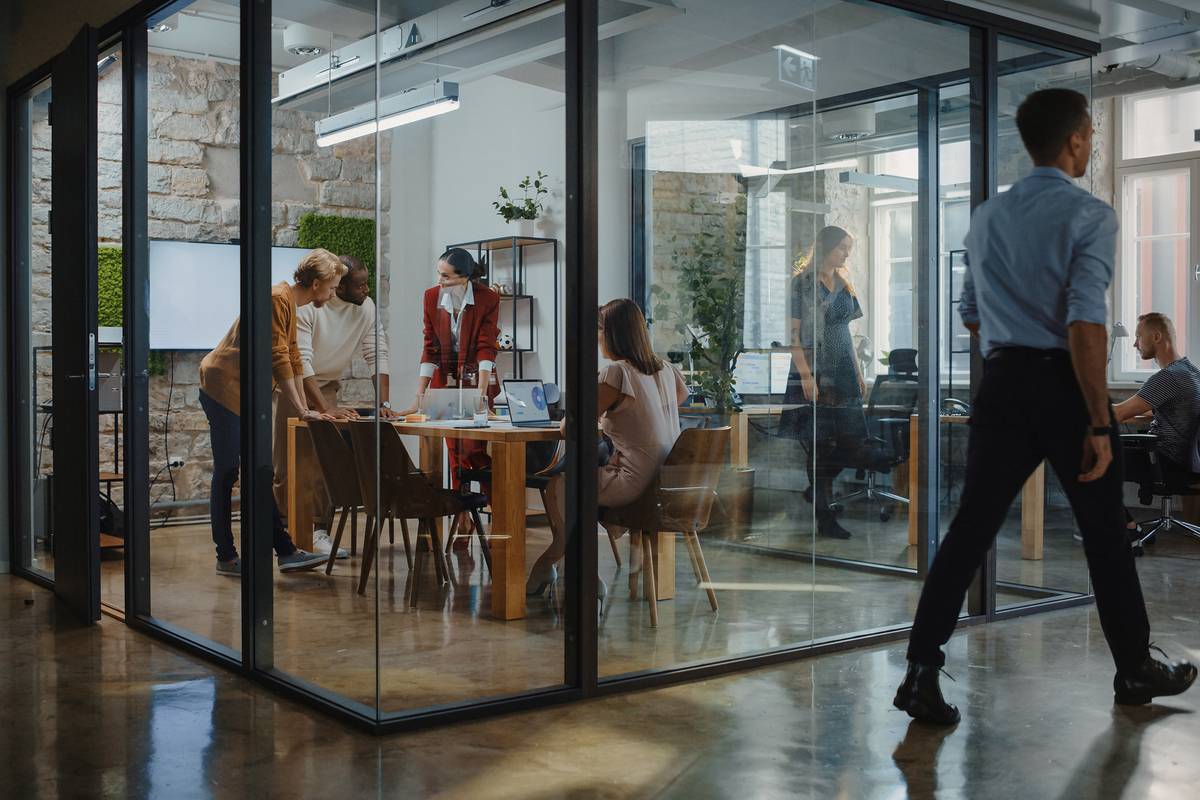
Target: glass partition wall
<point>367,266</point>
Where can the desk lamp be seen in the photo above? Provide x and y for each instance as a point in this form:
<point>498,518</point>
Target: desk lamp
<point>1118,332</point>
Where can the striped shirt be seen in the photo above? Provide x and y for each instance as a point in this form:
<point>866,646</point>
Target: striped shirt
<point>1174,394</point>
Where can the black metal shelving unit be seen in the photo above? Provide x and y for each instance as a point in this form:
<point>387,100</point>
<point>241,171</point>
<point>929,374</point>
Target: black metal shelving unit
<point>511,304</point>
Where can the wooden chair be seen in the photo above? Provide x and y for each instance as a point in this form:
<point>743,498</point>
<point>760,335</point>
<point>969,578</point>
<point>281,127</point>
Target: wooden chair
<point>406,492</point>
<point>679,500</point>
<point>336,459</point>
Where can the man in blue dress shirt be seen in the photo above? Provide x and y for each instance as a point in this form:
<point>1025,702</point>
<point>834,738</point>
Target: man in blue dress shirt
<point>1039,263</point>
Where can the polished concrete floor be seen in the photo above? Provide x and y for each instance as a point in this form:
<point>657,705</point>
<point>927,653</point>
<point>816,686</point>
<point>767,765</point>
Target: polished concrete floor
<point>449,649</point>
<point>106,712</point>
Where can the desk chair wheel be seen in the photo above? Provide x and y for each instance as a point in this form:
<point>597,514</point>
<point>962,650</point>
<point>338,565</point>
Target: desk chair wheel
<point>837,508</point>
<point>1138,550</point>
<point>884,515</point>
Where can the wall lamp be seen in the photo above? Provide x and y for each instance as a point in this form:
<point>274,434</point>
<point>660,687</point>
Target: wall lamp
<point>394,111</point>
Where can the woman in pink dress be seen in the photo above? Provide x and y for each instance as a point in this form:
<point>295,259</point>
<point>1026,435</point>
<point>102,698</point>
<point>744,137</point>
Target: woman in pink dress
<point>639,396</point>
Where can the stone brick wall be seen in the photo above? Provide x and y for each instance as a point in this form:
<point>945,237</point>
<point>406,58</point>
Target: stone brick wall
<point>194,190</point>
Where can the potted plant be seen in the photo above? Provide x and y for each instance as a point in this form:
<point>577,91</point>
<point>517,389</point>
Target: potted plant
<point>525,207</point>
<point>707,306</point>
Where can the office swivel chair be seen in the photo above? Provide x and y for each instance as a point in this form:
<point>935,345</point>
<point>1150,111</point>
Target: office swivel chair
<point>886,446</point>
<point>1154,478</point>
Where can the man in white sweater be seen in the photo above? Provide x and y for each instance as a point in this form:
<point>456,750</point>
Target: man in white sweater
<point>329,338</point>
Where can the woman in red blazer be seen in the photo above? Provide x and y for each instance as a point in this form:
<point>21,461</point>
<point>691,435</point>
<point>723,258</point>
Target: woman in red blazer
<point>461,326</point>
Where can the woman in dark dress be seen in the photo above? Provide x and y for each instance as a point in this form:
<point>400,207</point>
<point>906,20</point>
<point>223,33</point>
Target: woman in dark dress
<point>826,379</point>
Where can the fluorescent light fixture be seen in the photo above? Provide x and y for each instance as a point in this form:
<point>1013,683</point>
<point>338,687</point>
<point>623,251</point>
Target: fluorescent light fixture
<point>789,49</point>
<point>891,182</point>
<point>752,171</point>
<point>394,111</point>
<point>489,8</point>
<point>165,25</point>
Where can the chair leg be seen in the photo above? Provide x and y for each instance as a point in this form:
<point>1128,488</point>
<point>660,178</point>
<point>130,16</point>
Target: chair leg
<point>687,540</point>
<point>635,544</point>
<point>484,547</point>
<point>439,558</point>
<point>648,577</point>
<point>408,556</point>
<point>368,553</point>
<point>612,541</point>
<point>391,528</point>
<point>712,593</point>
<point>416,574</point>
<point>354,531</point>
<point>453,534</point>
<point>337,540</point>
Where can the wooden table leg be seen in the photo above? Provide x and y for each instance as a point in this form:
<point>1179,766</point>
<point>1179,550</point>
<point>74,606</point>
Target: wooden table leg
<point>739,445</point>
<point>1033,513</point>
<point>301,484</point>
<point>664,566</point>
<point>508,530</point>
<point>914,468</point>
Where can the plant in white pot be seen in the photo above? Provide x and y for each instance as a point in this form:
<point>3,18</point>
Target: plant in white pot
<point>529,206</point>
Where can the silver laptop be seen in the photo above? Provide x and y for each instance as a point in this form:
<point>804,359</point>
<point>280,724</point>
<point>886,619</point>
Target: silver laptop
<point>450,403</point>
<point>527,406</point>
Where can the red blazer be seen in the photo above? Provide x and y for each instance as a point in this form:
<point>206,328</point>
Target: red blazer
<point>476,337</point>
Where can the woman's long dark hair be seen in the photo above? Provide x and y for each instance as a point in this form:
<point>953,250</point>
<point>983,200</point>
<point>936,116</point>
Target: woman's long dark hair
<point>827,241</point>
<point>463,263</point>
<point>627,337</point>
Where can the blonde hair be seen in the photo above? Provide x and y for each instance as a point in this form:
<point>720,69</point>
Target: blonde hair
<point>827,240</point>
<point>319,265</point>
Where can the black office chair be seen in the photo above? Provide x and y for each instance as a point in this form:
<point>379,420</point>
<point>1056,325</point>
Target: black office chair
<point>1156,478</point>
<point>890,406</point>
<point>902,364</point>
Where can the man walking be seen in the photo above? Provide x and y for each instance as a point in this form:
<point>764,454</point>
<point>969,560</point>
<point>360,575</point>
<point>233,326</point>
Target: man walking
<point>1040,260</point>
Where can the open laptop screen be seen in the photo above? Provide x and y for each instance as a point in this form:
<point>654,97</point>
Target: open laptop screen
<point>526,401</point>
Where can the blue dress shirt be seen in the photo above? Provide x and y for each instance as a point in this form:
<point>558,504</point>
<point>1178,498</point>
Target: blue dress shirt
<point>1039,257</point>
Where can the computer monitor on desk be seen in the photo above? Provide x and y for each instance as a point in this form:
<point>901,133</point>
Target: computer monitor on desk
<point>762,375</point>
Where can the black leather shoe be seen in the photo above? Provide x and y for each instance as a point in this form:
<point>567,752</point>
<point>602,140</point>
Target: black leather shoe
<point>920,697</point>
<point>830,528</point>
<point>1152,679</point>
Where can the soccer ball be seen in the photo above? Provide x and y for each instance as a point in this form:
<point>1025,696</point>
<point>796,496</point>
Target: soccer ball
<point>504,341</point>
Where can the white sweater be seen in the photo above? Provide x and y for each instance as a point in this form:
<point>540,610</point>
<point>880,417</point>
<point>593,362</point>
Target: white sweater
<point>330,336</point>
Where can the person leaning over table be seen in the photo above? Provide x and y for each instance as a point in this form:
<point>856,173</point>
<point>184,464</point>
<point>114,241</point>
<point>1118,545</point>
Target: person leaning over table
<point>461,323</point>
<point>221,396</point>
<point>329,337</point>
<point>638,399</point>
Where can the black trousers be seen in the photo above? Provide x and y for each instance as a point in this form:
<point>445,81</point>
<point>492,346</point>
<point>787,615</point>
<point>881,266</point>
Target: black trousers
<point>225,433</point>
<point>1008,439</point>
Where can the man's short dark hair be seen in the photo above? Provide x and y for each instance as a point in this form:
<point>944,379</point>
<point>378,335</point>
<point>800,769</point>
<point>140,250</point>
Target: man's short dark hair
<point>353,265</point>
<point>1046,120</point>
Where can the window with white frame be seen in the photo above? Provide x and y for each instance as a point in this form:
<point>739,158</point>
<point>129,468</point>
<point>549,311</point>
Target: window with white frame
<point>1156,252</point>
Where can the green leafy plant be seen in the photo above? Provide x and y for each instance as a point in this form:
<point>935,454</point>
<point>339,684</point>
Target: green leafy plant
<point>707,307</point>
<point>110,299</point>
<point>342,236</point>
<point>524,207</point>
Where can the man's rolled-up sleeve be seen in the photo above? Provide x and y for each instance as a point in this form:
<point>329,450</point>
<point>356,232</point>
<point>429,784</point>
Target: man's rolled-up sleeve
<point>1091,270</point>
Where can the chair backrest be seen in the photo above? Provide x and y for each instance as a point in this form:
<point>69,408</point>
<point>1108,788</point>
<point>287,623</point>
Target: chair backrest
<point>338,467</point>
<point>902,363</point>
<point>687,482</point>
<point>402,487</point>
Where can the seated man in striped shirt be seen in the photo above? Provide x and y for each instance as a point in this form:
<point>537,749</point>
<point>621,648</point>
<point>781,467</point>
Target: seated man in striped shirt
<point>1172,393</point>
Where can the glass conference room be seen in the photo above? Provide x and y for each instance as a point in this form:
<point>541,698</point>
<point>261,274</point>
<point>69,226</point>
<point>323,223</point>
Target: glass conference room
<point>722,168</point>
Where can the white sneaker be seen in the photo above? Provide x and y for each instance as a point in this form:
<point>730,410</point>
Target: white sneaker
<point>323,544</point>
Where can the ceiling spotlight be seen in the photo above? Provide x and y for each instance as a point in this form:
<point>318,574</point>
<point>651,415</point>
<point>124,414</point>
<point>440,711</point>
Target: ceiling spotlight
<point>303,40</point>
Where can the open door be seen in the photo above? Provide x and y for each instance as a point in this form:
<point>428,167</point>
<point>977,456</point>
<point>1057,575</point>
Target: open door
<point>76,508</point>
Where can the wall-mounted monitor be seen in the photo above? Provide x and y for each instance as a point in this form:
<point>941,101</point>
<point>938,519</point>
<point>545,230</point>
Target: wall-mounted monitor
<point>194,290</point>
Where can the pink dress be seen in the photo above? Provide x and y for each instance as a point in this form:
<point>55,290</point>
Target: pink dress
<point>643,427</point>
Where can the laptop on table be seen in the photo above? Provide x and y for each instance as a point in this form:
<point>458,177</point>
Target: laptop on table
<point>527,406</point>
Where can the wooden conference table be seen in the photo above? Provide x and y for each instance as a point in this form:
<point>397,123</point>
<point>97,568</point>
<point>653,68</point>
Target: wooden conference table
<point>506,444</point>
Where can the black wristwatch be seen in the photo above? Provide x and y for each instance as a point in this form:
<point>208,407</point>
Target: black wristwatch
<point>1101,430</point>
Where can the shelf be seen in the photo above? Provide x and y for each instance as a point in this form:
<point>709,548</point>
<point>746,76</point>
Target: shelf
<point>505,243</point>
<point>516,297</point>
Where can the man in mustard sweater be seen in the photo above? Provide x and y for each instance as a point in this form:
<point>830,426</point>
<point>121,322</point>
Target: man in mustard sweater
<point>220,396</point>
<point>329,337</point>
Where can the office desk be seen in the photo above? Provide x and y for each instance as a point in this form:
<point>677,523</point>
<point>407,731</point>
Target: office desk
<point>1033,495</point>
<point>506,444</point>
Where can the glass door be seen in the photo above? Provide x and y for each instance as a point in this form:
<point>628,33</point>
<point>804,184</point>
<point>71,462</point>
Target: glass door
<point>75,507</point>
